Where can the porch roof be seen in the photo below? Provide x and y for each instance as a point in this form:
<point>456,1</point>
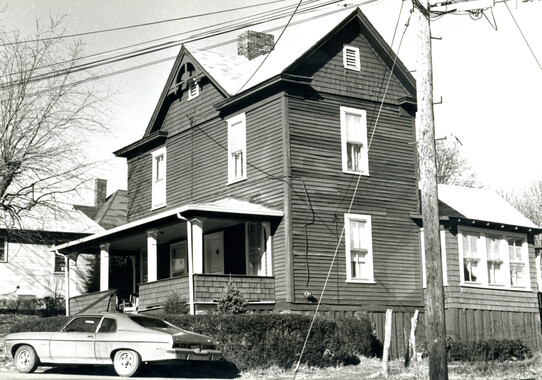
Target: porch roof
<point>227,207</point>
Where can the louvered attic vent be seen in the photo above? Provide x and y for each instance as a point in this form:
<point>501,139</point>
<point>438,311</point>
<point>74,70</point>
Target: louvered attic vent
<point>193,89</point>
<point>351,58</point>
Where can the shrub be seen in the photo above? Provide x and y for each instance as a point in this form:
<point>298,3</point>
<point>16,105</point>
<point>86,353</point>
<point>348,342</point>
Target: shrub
<point>354,337</point>
<point>43,307</point>
<point>265,340</point>
<point>40,324</point>
<point>487,350</point>
<point>175,305</point>
<point>232,301</point>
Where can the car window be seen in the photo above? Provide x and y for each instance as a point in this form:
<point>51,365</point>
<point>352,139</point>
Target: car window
<point>108,325</point>
<point>149,322</point>
<point>83,324</point>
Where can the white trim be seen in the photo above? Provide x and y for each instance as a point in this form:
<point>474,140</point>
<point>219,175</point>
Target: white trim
<point>442,254</point>
<point>159,186</point>
<point>537,261</point>
<point>504,255</point>
<point>351,52</point>
<point>368,246</point>
<point>364,169</point>
<point>233,121</point>
<point>266,259</point>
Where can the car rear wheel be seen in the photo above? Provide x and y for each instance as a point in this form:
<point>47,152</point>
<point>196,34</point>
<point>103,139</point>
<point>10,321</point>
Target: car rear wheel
<point>126,362</point>
<point>25,359</point>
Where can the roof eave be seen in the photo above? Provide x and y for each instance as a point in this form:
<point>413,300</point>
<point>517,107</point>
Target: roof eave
<point>155,139</point>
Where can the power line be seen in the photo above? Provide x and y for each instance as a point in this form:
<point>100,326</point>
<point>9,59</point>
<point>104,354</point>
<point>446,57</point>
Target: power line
<point>138,25</point>
<point>163,46</point>
<point>524,38</point>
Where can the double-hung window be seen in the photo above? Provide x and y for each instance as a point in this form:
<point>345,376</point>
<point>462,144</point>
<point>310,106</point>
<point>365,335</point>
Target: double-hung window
<point>237,151</point>
<point>471,258</point>
<point>3,250</point>
<point>354,141</point>
<point>493,259</point>
<point>359,248</point>
<point>351,58</point>
<point>258,249</point>
<point>518,273</point>
<point>159,178</point>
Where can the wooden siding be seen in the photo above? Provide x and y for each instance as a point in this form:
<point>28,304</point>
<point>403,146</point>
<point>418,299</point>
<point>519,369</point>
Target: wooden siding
<point>210,288</point>
<point>325,66</point>
<point>388,194</point>
<point>94,302</point>
<point>478,298</point>
<point>156,293</point>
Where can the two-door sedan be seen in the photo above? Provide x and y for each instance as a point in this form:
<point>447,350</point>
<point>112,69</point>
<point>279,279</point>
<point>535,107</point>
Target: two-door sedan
<point>124,340</point>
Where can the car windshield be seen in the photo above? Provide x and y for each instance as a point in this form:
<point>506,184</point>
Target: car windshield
<point>150,322</point>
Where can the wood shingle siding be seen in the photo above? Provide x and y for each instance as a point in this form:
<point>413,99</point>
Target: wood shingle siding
<point>210,288</point>
<point>156,293</point>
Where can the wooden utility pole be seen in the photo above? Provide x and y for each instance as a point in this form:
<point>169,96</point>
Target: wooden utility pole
<point>435,326</point>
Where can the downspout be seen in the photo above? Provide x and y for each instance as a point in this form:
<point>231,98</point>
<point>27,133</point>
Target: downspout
<point>191,293</point>
<point>66,280</point>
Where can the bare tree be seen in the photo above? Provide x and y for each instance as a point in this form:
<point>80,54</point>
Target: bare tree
<point>48,111</point>
<point>452,167</point>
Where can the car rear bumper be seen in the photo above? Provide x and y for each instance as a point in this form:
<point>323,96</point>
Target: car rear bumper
<point>190,354</point>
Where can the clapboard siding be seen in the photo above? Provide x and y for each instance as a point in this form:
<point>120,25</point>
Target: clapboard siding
<point>389,195</point>
<point>330,76</point>
<point>469,297</point>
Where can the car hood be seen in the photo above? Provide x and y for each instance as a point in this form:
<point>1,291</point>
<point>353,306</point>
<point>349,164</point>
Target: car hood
<point>31,335</point>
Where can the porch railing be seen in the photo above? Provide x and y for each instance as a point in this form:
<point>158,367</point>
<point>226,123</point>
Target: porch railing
<point>156,293</point>
<point>210,287</point>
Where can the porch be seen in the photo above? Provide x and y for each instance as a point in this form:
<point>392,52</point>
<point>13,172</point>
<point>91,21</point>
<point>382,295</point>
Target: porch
<point>191,252</point>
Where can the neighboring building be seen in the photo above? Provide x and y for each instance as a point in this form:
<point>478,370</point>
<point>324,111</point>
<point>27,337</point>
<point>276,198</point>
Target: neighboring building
<point>490,271</point>
<point>28,268</point>
<point>247,169</point>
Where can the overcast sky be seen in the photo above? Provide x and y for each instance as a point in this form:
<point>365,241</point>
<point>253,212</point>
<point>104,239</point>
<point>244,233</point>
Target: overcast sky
<point>489,81</point>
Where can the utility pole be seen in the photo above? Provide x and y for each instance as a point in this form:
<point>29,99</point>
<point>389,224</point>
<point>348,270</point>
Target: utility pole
<point>435,324</point>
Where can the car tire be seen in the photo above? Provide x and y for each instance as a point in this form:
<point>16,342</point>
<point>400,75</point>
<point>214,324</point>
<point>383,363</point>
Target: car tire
<point>126,362</point>
<point>25,359</point>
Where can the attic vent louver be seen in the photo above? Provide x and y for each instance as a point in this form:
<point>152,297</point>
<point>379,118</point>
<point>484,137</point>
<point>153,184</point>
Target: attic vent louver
<point>252,44</point>
<point>351,58</point>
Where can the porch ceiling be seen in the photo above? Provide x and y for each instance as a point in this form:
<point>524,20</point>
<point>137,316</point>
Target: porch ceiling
<point>171,225</point>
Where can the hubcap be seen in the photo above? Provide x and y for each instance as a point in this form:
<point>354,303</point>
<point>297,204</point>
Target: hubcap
<point>24,358</point>
<point>126,360</point>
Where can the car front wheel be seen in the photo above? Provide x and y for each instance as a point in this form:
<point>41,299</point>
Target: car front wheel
<point>26,359</point>
<point>126,362</point>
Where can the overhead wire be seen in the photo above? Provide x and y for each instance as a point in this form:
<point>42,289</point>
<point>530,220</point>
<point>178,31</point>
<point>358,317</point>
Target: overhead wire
<point>523,35</point>
<point>256,20</point>
<point>81,34</point>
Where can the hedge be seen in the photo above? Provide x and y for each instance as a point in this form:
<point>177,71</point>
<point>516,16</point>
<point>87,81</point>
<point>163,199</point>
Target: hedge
<point>487,350</point>
<point>264,340</point>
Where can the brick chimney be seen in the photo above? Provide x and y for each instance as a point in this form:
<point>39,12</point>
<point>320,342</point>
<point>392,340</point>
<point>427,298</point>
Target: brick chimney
<point>252,44</point>
<point>100,192</point>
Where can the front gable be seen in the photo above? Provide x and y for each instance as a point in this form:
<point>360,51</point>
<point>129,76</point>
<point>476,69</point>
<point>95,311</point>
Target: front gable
<point>325,63</point>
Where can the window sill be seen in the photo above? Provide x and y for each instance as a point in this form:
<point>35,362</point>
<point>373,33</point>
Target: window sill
<point>356,281</point>
<point>156,207</point>
<point>231,182</point>
<point>365,174</point>
<point>514,288</point>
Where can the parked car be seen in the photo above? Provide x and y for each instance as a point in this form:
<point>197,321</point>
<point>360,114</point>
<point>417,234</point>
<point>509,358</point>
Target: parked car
<point>124,340</point>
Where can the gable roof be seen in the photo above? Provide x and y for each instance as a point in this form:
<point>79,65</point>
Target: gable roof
<point>234,75</point>
<point>481,205</point>
<point>43,219</point>
<point>114,211</point>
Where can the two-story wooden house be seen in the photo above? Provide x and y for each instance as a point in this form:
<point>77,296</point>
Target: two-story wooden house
<point>284,169</point>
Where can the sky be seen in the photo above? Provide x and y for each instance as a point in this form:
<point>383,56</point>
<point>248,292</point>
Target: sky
<point>488,79</point>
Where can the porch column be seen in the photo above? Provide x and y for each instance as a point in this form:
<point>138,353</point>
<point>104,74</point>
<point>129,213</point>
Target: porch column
<point>104,266</point>
<point>152,256</point>
<point>194,233</point>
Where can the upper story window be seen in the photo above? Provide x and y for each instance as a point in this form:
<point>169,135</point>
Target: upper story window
<point>3,250</point>
<point>351,58</point>
<point>193,88</point>
<point>359,248</point>
<point>493,259</point>
<point>159,178</point>
<point>237,162</point>
<point>354,141</point>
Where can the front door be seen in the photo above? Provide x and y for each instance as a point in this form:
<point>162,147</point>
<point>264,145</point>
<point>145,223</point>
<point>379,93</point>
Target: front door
<point>75,343</point>
<point>214,253</point>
